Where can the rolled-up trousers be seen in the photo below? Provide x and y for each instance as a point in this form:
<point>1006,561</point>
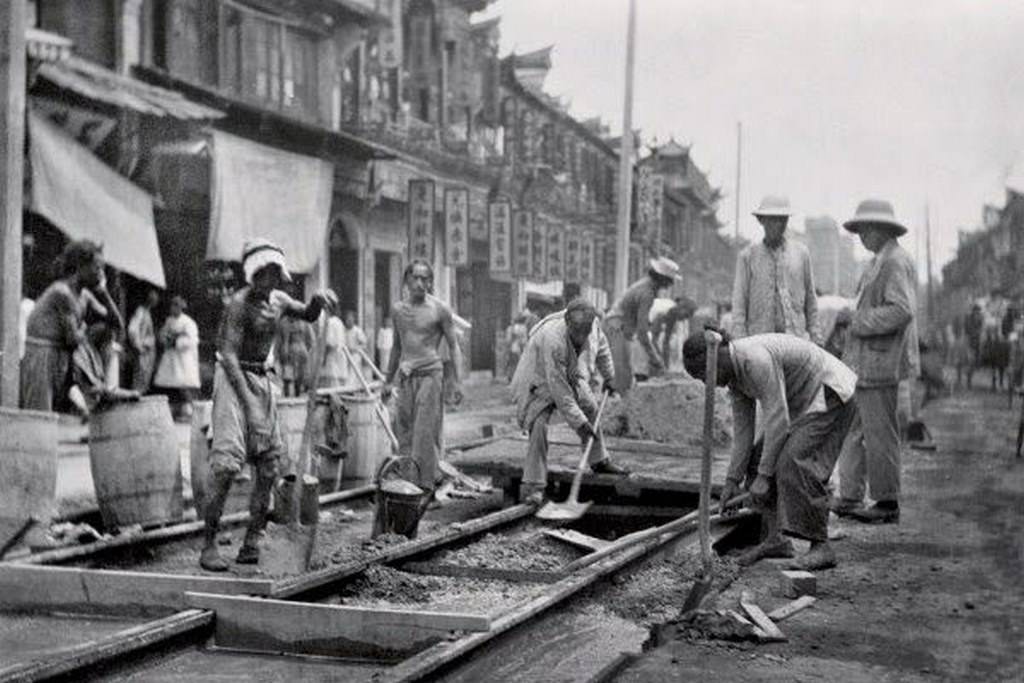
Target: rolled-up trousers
<point>804,466</point>
<point>535,473</point>
<point>872,449</point>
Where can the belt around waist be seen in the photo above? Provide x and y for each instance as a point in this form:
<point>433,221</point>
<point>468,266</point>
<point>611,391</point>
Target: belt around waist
<point>250,366</point>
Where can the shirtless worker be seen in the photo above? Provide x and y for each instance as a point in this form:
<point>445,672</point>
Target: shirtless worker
<point>417,367</point>
<point>244,423</point>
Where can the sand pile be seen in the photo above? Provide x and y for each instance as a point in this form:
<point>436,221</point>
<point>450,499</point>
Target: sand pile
<point>669,411</point>
<point>529,552</point>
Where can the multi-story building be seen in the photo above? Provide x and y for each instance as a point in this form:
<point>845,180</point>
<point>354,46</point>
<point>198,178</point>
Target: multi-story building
<point>833,264</point>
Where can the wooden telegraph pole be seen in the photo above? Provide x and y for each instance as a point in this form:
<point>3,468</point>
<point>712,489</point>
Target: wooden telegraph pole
<point>625,165</point>
<point>12,151</point>
<point>739,167</point>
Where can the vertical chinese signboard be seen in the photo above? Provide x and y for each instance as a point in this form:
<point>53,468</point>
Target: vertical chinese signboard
<point>573,250</point>
<point>522,243</point>
<point>587,259</point>
<point>391,37</point>
<point>556,251</point>
<point>539,268</point>
<point>456,227</point>
<point>499,219</point>
<point>657,184</point>
<point>421,220</point>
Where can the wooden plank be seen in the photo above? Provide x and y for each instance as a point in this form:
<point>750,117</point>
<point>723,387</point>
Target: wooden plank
<point>761,620</point>
<point>421,666</point>
<point>283,626</point>
<point>88,655</point>
<point>169,533</point>
<point>73,589</point>
<point>577,539</point>
<point>455,532</point>
<point>791,608</point>
<point>643,511</point>
<point>483,573</point>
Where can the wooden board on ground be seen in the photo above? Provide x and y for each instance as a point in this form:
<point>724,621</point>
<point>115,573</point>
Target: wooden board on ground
<point>72,589</point>
<point>577,539</point>
<point>656,471</point>
<point>791,608</point>
<point>483,573</point>
<point>761,620</point>
<point>282,626</point>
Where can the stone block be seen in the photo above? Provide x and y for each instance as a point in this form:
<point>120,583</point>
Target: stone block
<point>795,583</point>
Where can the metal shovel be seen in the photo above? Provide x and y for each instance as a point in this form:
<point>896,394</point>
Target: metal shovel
<point>572,508</point>
<point>702,585</point>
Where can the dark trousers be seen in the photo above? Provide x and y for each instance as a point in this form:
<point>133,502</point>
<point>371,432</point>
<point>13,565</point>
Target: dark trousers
<point>803,468</point>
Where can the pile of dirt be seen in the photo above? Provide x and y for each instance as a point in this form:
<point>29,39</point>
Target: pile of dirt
<point>668,411</point>
<point>530,551</point>
<point>703,625</point>
<point>655,594</point>
<point>380,583</point>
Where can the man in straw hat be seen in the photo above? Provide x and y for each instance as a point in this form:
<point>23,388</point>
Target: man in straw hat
<point>774,288</point>
<point>882,349</point>
<point>629,319</point>
<point>244,422</point>
<point>552,375</point>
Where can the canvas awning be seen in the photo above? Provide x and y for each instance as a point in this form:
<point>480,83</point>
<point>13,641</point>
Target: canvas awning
<point>261,191</point>
<point>86,199</point>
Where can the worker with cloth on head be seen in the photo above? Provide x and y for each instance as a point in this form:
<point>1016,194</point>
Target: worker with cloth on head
<point>774,288</point>
<point>883,349</point>
<point>551,376</point>
<point>806,395</point>
<point>629,320</point>
<point>244,422</point>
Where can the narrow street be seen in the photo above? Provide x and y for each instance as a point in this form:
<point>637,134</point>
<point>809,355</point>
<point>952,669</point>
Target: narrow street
<point>938,597</point>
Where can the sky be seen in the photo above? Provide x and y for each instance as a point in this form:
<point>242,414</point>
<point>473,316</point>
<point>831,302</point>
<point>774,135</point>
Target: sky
<point>915,101</point>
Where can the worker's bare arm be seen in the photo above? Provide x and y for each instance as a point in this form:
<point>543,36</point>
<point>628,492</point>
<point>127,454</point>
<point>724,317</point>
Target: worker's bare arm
<point>324,299</point>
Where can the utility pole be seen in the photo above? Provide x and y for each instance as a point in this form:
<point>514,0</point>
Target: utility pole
<point>12,151</point>
<point>739,167</point>
<point>625,165</point>
<point>928,258</point>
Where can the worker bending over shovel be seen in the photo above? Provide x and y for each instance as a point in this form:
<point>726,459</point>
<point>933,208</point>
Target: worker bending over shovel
<point>549,376</point>
<point>805,394</point>
<point>244,422</point>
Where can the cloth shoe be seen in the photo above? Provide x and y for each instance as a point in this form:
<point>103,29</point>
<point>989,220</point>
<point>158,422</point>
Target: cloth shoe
<point>844,507</point>
<point>606,466</point>
<point>211,561</point>
<point>248,554</point>
<point>532,494</point>
<point>820,556</point>
<point>878,514</point>
<point>777,548</point>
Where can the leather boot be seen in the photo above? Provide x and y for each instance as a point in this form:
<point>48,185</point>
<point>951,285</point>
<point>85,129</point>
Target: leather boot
<point>219,488</point>
<point>259,502</point>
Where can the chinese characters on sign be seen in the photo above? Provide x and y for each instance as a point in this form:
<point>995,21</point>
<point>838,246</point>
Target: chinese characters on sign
<point>421,220</point>
<point>587,259</point>
<point>650,189</point>
<point>538,270</point>
<point>522,243</point>
<point>573,244</point>
<point>500,223</point>
<point>456,227</point>
<point>391,37</point>
<point>657,206</point>
<point>556,251</point>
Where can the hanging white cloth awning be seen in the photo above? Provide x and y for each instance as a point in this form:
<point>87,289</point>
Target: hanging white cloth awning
<point>86,199</point>
<point>261,191</point>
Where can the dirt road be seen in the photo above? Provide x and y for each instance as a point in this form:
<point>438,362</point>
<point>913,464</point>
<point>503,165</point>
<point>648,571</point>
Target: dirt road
<point>939,597</point>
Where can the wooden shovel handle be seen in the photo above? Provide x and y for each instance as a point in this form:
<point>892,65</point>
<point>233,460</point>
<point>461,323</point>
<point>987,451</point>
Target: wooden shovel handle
<point>577,479</point>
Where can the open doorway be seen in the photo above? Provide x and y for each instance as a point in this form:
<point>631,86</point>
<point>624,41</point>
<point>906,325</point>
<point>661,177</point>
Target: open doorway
<point>344,257</point>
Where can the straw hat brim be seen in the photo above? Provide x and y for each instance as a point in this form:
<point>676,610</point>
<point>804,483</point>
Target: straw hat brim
<point>658,268</point>
<point>772,213</point>
<point>855,224</point>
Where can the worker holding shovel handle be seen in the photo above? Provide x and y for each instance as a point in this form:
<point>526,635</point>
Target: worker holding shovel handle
<point>804,394</point>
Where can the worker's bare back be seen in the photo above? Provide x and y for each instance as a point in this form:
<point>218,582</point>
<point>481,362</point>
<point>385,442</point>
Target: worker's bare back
<point>420,328</point>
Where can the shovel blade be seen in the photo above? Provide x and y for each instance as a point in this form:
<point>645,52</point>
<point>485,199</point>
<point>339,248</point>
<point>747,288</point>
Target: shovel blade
<point>698,591</point>
<point>562,512</point>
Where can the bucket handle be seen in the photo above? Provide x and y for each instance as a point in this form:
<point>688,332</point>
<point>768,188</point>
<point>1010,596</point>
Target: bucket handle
<point>391,462</point>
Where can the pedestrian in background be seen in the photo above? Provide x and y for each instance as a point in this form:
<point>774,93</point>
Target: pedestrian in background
<point>385,342</point>
<point>883,350</point>
<point>515,341</point>
<point>55,327</point>
<point>629,321</point>
<point>774,288</point>
<point>177,374</point>
<point>294,344</point>
<point>142,343</point>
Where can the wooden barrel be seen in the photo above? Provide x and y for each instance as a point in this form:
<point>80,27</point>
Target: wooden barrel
<point>28,463</point>
<point>199,465</point>
<point>291,414</point>
<point>367,443</point>
<point>135,463</point>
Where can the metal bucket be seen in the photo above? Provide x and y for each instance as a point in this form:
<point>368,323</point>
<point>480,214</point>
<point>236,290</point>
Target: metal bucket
<point>400,503</point>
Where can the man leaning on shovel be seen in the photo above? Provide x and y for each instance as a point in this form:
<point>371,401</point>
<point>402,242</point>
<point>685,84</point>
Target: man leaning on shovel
<point>550,376</point>
<point>806,396</point>
<point>244,423</point>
